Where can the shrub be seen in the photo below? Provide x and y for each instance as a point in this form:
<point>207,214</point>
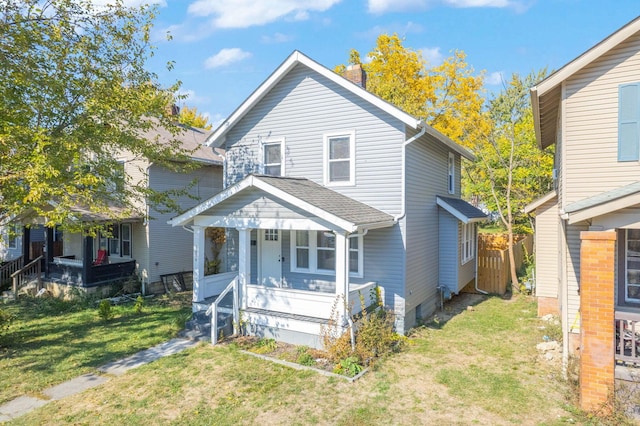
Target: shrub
<point>139,305</point>
<point>104,310</point>
<point>264,346</point>
<point>348,366</point>
<point>305,358</point>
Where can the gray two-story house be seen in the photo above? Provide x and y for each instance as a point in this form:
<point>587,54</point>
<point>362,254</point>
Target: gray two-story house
<point>332,192</point>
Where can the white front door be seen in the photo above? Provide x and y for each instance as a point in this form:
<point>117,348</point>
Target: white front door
<point>270,258</point>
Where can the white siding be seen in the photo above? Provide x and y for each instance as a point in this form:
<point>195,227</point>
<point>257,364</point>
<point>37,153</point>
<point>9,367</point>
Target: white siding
<point>591,124</point>
<point>166,249</point>
<point>546,249</point>
<point>573,274</point>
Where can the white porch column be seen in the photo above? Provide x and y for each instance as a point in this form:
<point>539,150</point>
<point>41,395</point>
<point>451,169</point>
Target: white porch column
<point>244,264</point>
<point>198,263</point>
<point>342,268</point>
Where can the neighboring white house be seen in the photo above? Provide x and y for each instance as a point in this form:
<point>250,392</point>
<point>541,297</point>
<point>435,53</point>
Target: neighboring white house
<point>329,192</point>
<point>151,248</point>
<point>588,228</point>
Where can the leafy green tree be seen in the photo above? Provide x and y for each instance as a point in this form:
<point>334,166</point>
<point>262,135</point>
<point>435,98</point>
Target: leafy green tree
<point>75,94</point>
<point>191,117</point>
<point>510,170</point>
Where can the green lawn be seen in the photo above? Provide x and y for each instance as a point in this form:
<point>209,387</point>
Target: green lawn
<point>51,340</point>
<point>479,367</point>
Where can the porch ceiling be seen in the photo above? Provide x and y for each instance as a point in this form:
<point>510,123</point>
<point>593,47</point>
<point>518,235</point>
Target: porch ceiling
<point>308,205</point>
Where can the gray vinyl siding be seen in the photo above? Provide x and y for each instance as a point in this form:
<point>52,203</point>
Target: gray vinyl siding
<point>448,250</point>
<point>302,109</point>
<point>591,124</point>
<point>426,165</point>
<point>254,202</point>
<point>546,249</point>
<point>169,249</point>
<point>573,273</point>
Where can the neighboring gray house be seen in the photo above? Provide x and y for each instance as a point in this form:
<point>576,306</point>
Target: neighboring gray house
<point>588,228</point>
<point>151,248</point>
<point>331,191</point>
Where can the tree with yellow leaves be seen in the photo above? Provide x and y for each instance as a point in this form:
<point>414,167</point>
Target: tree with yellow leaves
<point>191,117</point>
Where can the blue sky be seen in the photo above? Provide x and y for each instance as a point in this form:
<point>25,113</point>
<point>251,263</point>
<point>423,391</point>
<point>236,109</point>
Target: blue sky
<point>224,49</point>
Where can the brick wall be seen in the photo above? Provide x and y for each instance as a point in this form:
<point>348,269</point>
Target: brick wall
<point>548,305</point>
<point>597,288</point>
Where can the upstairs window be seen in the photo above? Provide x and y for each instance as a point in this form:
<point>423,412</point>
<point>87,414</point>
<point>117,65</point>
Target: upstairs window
<point>451,172</point>
<point>272,160</point>
<point>629,122</point>
<point>339,158</point>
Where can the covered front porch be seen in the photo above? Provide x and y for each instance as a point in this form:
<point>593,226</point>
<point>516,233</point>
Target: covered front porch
<point>292,264</point>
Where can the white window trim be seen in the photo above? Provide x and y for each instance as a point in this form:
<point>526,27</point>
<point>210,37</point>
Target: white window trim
<point>313,256</point>
<point>12,241</point>
<point>263,145</point>
<point>626,271</point>
<point>352,158</point>
<point>467,235</point>
<point>451,173</point>
<point>108,240</point>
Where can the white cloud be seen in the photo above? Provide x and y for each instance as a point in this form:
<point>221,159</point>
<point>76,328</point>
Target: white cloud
<point>276,38</point>
<point>432,55</point>
<point>494,79</point>
<point>247,13</point>
<point>226,57</point>
<point>383,6</point>
<point>215,119</point>
<point>130,3</point>
<point>192,98</point>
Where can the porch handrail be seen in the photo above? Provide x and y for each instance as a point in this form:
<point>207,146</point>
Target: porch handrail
<point>213,310</point>
<point>32,268</point>
<point>8,268</point>
<point>627,332</point>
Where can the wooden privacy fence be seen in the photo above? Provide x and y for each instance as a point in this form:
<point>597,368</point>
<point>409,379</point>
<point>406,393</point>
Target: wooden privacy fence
<point>493,260</point>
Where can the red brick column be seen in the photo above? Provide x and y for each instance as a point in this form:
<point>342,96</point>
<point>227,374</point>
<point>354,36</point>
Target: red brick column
<point>597,287</point>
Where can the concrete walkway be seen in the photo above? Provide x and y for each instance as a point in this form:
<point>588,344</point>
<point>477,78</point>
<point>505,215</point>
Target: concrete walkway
<point>24,404</point>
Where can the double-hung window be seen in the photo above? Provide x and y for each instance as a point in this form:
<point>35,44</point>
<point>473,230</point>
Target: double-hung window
<point>118,241</point>
<point>632,266</point>
<point>315,252</point>
<point>629,122</point>
<point>12,236</point>
<point>467,242</point>
<point>339,158</point>
<point>273,157</point>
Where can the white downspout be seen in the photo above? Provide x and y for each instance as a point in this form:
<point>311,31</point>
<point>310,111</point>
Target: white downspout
<point>422,131</point>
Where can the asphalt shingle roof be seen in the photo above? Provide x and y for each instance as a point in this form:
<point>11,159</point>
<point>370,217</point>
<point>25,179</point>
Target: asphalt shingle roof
<point>328,200</point>
<point>464,208</point>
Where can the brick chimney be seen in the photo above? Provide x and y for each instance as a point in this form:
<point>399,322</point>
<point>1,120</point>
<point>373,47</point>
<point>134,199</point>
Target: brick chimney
<point>355,74</point>
<point>173,110</point>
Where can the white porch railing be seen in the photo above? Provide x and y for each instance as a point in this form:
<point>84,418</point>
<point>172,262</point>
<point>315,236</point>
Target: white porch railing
<point>214,285</point>
<point>306,303</point>
<point>215,308</point>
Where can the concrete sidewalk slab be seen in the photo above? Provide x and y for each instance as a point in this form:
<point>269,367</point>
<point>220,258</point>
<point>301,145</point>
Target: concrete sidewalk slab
<point>19,406</point>
<point>74,386</point>
<point>173,346</point>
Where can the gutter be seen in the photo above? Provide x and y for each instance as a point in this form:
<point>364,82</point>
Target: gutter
<point>422,131</point>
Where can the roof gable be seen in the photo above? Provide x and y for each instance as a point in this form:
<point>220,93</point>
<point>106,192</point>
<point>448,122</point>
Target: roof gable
<point>340,210</point>
<point>217,138</point>
<point>546,95</point>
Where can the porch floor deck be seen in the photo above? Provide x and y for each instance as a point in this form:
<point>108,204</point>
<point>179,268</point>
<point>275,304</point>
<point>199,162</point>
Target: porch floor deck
<point>286,315</point>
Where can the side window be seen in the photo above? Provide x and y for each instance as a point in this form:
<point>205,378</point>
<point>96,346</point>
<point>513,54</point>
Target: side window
<point>273,158</point>
<point>628,122</point>
<point>12,236</point>
<point>467,242</point>
<point>339,158</point>
<point>451,174</point>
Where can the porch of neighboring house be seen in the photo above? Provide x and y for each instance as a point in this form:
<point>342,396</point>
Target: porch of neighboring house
<point>51,265</point>
<point>292,263</point>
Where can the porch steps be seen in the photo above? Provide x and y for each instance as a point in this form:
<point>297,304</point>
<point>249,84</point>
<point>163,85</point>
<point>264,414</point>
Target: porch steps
<point>286,315</point>
<point>198,328</point>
